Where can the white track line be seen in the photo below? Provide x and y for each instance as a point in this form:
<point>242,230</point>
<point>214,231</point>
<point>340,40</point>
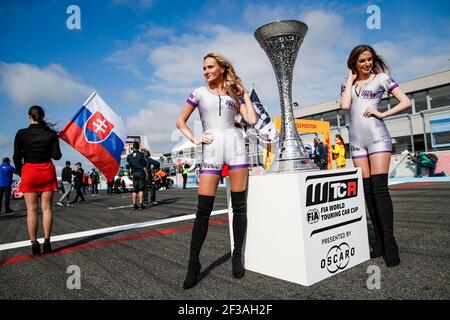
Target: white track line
<point>121,207</point>
<point>89,233</point>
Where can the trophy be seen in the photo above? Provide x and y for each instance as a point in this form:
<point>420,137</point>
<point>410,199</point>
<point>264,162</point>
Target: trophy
<point>281,41</point>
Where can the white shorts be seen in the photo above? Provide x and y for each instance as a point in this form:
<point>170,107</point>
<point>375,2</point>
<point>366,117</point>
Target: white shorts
<point>227,147</point>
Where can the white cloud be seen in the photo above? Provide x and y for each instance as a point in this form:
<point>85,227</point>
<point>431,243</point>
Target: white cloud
<point>320,67</point>
<point>176,66</point>
<point>178,63</point>
<point>132,56</point>
<point>129,58</point>
<point>405,64</point>
<point>131,95</point>
<point>157,120</point>
<point>27,84</point>
<point>257,15</point>
<point>155,32</point>
<point>321,63</point>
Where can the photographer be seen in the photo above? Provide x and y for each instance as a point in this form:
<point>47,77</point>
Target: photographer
<point>423,161</point>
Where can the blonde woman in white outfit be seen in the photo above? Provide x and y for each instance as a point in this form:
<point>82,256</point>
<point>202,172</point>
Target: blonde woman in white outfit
<point>218,102</point>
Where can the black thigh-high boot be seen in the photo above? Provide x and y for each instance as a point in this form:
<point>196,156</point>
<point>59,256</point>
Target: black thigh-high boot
<point>377,248</point>
<point>199,231</point>
<point>385,212</point>
<point>239,204</point>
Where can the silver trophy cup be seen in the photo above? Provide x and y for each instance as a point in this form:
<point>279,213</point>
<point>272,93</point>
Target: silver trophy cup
<point>281,41</point>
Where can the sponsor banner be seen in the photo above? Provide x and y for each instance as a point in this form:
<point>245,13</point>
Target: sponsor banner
<point>334,222</point>
<point>318,218</point>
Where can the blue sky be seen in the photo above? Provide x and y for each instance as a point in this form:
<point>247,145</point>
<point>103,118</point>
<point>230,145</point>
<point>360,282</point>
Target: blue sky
<point>145,56</point>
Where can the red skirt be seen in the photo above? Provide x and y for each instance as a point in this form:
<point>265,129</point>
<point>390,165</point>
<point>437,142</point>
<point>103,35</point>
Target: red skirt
<point>38,177</point>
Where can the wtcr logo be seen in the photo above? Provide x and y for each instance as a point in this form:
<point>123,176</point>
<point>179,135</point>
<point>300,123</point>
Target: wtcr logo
<point>322,192</point>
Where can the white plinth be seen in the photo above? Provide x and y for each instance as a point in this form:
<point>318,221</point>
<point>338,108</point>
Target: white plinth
<point>305,227</point>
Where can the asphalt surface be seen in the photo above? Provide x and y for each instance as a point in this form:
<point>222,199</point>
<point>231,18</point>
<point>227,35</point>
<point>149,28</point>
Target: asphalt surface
<point>150,262</point>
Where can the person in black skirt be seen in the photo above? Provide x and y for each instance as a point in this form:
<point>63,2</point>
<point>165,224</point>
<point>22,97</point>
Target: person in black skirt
<point>34,147</point>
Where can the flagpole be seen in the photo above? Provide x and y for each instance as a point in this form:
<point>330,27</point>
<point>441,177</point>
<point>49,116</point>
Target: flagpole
<point>257,140</point>
<point>90,98</point>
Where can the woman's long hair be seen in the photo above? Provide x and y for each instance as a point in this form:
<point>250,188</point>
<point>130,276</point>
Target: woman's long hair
<point>37,114</point>
<point>231,80</point>
<point>379,65</point>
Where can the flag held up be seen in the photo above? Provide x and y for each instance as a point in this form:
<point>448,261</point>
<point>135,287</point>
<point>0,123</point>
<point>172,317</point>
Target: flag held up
<point>98,133</point>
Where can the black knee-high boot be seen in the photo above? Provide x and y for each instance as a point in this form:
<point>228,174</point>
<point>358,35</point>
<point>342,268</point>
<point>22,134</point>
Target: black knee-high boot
<point>377,248</point>
<point>199,231</point>
<point>385,212</point>
<point>239,204</point>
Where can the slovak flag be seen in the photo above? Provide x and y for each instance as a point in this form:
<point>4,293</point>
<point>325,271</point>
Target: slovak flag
<point>98,133</point>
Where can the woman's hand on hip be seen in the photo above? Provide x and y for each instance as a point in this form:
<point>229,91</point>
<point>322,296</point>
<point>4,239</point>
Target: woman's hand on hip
<point>206,138</point>
<point>371,111</point>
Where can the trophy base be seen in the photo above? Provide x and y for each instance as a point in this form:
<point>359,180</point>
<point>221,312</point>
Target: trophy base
<point>292,165</point>
<point>293,233</point>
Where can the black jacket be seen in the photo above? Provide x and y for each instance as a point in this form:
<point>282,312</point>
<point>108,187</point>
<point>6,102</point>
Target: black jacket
<point>78,177</point>
<point>35,144</point>
<point>136,161</point>
<point>321,154</point>
<point>152,165</point>
<point>95,177</point>
<point>66,174</point>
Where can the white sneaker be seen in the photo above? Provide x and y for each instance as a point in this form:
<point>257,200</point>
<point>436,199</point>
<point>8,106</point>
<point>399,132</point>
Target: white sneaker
<point>60,204</point>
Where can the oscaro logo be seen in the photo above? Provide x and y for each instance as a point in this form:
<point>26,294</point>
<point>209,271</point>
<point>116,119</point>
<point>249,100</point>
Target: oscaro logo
<point>331,191</point>
<point>312,216</point>
<point>337,258</point>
